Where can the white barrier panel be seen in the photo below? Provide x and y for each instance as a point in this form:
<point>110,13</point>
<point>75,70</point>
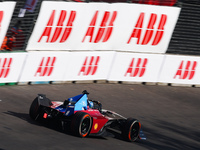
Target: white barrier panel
<point>11,66</point>
<point>6,11</point>
<point>136,67</point>
<point>89,66</point>
<point>181,70</point>
<point>103,26</point>
<point>45,66</point>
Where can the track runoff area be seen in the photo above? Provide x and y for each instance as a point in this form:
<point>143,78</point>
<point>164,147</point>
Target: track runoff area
<point>169,117</point>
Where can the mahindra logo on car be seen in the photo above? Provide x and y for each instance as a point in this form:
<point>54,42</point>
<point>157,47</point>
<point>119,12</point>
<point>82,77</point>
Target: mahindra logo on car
<point>59,27</point>
<point>137,67</point>
<point>89,66</point>
<point>46,67</point>
<point>105,28</point>
<point>186,70</point>
<point>5,67</point>
<point>150,30</point>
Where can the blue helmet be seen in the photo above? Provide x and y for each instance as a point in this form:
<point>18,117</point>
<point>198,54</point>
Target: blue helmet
<point>91,104</point>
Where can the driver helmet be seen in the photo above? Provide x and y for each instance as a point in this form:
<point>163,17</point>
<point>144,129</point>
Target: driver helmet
<point>91,104</point>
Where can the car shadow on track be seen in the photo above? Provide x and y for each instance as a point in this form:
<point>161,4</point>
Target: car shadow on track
<point>51,125</point>
<point>58,127</point>
<point>22,116</point>
<point>156,140</point>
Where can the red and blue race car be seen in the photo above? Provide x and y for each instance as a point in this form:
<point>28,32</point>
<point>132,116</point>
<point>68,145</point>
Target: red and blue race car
<point>84,117</point>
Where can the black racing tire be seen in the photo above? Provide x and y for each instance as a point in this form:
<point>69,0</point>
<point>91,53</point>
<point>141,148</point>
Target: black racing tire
<point>81,124</point>
<point>34,110</point>
<point>131,129</point>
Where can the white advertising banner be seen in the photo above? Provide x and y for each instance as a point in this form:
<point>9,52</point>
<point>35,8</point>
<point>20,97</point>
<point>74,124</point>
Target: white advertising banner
<point>136,67</point>
<point>103,26</point>
<point>89,66</point>
<point>45,66</point>
<point>11,66</point>
<point>6,11</point>
<point>181,70</point>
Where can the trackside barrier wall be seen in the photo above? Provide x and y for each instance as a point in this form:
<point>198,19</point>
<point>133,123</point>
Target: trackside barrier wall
<point>180,70</point>
<point>89,66</point>
<point>103,26</point>
<point>67,66</point>
<point>136,67</point>
<point>45,66</point>
<point>11,65</point>
<point>111,66</point>
<point>66,28</point>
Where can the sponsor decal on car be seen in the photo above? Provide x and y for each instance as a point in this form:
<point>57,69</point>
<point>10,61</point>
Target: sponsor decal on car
<point>95,126</point>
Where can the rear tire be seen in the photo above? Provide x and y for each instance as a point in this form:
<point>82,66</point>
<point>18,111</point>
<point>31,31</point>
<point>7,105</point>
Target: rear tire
<point>34,109</point>
<point>131,129</point>
<point>81,124</point>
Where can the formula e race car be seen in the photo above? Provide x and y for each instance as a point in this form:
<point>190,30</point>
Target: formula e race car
<point>83,117</point>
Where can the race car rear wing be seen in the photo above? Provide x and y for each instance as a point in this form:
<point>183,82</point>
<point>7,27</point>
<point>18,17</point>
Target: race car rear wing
<point>43,100</point>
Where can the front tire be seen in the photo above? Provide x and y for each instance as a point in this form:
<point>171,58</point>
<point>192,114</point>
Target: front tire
<point>131,129</point>
<point>81,124</point>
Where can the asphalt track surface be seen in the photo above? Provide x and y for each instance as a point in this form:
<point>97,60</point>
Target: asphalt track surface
<point>169,117</point>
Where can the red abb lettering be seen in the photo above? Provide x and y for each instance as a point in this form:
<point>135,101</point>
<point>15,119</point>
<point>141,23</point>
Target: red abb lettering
<point>91,28</point>
<point>102,27</point>
<point>187,72</point>
<point>1,17</point>
<point>137,31</point>
<point>45,69</point>
<point>104,31</point>
<point>137,70</point>
<point>89,67</point>
<point>68,27</point>
<point>150,28</point>
<point>47,30</point>
<point>110,27</point>
<point>59,27</point>
<point>5,65</point>
<point>160,30</point>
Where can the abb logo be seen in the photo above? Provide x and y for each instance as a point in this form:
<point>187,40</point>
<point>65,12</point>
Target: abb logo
<point>186,72</point>
<point>105,29</point>
<point>137,31</point>
<point>46,66</point>
<point>89,66</point>
<point>5,67</point>
<point>59,27</point>
<point>138,69</point>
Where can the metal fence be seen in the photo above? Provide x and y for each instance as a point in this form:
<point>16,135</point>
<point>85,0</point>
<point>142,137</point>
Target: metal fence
<point>185,39</point>
<point>186,36</point>
<point>21,27</point>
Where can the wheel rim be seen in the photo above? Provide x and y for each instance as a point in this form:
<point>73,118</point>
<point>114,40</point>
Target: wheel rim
<point>134,131</point>
<point>85,126</point>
